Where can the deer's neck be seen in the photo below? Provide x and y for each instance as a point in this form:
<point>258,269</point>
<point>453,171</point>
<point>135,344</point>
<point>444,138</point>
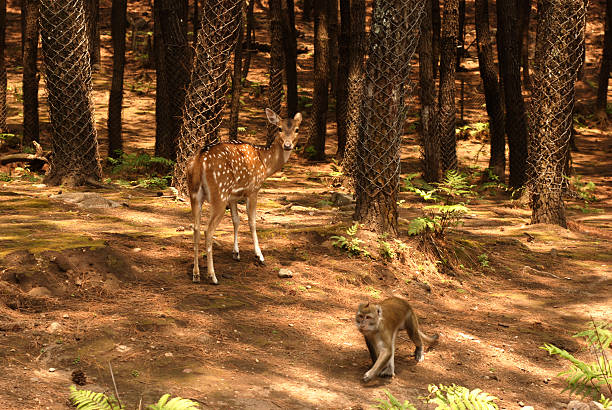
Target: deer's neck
<point>274,157</point>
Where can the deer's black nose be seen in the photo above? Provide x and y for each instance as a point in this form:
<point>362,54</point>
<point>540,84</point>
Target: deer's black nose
<point>287,146</point>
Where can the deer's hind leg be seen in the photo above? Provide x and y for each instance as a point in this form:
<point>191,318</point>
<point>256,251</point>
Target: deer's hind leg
<point>196,212</point>
<point>252,213</point>
<point>217,209</point>
<point>236,222</point>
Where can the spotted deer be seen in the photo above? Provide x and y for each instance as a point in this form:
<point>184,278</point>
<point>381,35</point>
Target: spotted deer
<point>229,171</point>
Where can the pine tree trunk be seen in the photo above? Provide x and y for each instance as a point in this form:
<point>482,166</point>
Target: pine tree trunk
<point>307,6</point>
<point>488,73</point>
<point>75,159</point>
<point>92,10</point>
<point>437,27</point>
<point>429,141</point>
<point>315,148</point>
<point>356,70</point>
<point>333,44</point>
<point>275,88</point>
<point>460,34</point>
<point>393,40</point>
<point>195,21</point>
<point>236,87</point>
<point>2,67</point>
<point>446,96</point>
<point>524,14</point>
<point>344,39</point>
<point>606,62</point>
<point>508,49</point>
<point>290,53</point>
<point>559,39</point>
<point>115,102</point>
<point>173,64</point>
<point>31,127</point>
<point>250,38</point>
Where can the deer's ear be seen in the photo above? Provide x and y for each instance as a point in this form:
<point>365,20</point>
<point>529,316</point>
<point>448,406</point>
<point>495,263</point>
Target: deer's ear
<point>272,117</point>
<point>297,118</point>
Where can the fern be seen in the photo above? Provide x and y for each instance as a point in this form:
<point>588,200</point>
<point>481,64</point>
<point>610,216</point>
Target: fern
<point>458,397</point>
<point>176,403</point>
<point>393,404</point>
<point>422,225</point>
<point>352,245</point>
<point>600,332</point>
<point>89,400</point>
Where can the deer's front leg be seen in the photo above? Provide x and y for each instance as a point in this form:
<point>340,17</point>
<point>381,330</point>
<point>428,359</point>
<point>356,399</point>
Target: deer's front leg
<point>236,222</point>
<point>252,213</point>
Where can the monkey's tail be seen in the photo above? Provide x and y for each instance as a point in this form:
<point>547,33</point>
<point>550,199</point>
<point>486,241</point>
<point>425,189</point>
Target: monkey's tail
<point>430,340</point>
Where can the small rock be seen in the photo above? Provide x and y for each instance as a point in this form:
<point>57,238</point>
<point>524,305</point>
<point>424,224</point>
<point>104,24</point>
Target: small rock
<point>180,229</point>
<point>187,371</point>
<point>308,286</point>
<point>34,379</point>
<point>65,316</point>
<point>39,291</point>
<point>136,249</point>
<point>54,328</point>
<point>577,405</point>
<point>168,354</point>
<point>554,253</point>
<point>122,348</point>
<point>51,369</point>
<point>285,273</point>
<point>340,199</point>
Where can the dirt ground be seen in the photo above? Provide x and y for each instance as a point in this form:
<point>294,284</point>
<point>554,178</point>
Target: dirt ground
<point>83,288</point>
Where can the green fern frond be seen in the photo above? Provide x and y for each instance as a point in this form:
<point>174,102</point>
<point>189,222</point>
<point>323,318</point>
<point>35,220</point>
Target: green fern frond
<point>599,332</point>
<point>90,400</point>
<point>352,230</point>
<point>458,397</point>
<point>176,403</point>
<point>393,404</point>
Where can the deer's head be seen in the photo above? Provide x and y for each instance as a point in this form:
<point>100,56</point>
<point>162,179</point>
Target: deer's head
<point>288,128</point>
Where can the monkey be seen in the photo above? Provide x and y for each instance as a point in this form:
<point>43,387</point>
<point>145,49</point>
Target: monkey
<point>379,324</point>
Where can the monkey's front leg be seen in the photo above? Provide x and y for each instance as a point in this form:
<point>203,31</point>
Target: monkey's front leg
<point>384,355</point>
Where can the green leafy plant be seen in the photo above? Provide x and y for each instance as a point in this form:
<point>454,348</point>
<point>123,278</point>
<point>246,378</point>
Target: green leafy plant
<point>391,249</point>
<point>458,397</point>
<point>592,380</point>
<point>484,260</point>
<point>4,177</point>
<point>391,403</point>
<point>581,189</point>
<point>352,244</point>
<point>438,218</point>
<point>139,163</point>
<point>89,400</point>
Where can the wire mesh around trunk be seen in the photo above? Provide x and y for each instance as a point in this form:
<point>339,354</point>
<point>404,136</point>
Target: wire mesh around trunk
<point>205,98</point>
<point>394,36</point>
<point>68,78</point>
<point>558,57</point>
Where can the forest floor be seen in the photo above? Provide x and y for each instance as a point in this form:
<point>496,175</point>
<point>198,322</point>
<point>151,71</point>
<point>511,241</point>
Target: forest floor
<point>83,287</point>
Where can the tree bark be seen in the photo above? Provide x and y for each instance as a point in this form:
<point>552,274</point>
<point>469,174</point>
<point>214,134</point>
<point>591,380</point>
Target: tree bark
<point>437,27</point>
<point>460,34</point>
<point>173,65</point>
<point>606,62</point>
<point>488,73</point>
<point>290,53</point>
<point>250,38</point>
<point>75,159</point>
<point>236,87</point>
<point>357,49</point>
<point>275,88</point>
<point>2,67</point>
<point>560,36</point>
<point>393,40</point>
<point>307,6</point>
<point>524,14</point>
<point>333,44</point>
<point>429,141</point>
<point>344,39</point>
<point>446,96</point>
<point>508,49</point>
<point>92,10</point>
<point>195,21</point>
<point>115,102</point>
<point>31,127</point>
<point>315,148</point>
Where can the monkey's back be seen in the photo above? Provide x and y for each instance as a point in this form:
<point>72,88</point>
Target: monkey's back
<point>396,311</point>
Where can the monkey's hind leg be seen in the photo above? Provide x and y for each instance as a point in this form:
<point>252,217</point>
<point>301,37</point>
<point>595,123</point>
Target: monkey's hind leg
<point>412,327</point>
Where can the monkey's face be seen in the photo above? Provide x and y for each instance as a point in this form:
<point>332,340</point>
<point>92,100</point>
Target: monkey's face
<point>368,318</point>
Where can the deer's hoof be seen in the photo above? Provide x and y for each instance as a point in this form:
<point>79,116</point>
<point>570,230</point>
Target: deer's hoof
<point>259,262</point>
<point>196,278</point>
<point>214,281</point>
<point>236,256</point>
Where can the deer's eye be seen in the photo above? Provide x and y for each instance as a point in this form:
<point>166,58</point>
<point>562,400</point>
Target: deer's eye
<point>297,129</point>
<point>280,128</point>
